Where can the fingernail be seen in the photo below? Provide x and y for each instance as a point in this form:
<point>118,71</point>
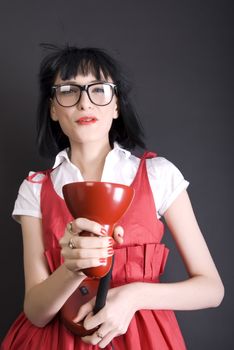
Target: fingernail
<point>110,251</point>
<point>103,231</point>
<point>110,240</point>
<point>103,261</point>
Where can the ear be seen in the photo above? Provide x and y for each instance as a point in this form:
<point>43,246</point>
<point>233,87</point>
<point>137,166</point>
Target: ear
<point>52,111</point>
<point>116,114</point>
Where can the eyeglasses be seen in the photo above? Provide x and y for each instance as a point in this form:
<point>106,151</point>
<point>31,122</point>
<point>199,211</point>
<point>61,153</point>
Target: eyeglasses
<point>68,95</point>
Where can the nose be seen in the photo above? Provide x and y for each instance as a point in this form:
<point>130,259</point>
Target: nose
<point>84,102</point>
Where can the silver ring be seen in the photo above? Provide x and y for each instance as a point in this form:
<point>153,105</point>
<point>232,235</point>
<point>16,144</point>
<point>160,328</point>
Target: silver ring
<point>99,335</point>
<point>71,244</point>
<point>70,227</point>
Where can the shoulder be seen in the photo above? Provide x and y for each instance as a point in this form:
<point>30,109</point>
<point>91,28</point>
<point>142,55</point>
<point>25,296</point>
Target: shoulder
<point>157,167</point>
<point>32,183</point>
<point>160,166</point>
<point>28,201</point>
<point>28,198</point>
<point>166,182</point>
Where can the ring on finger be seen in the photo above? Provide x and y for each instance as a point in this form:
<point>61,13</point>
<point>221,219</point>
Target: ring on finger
<point>70,227</point>
<point>99,335</point>
<point>71,244</point>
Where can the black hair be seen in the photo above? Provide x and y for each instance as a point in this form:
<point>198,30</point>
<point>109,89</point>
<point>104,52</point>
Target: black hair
<point>69,61</point>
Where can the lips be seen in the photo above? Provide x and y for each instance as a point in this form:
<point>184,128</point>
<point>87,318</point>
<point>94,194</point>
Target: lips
<point>86,120</point>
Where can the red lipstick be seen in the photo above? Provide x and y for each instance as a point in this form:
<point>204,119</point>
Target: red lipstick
<point>86,120</point>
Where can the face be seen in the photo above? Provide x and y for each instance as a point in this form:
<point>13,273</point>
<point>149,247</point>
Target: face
<point>85,122</point>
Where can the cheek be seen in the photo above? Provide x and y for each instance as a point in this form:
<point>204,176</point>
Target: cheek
<point>64,119</point>
<point>111,111</point>
<point>63,115</point>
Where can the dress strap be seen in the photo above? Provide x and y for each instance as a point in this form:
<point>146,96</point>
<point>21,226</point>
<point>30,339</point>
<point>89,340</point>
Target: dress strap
<point>46,174</point>
<point>148,154</point>
<point>141,175</point>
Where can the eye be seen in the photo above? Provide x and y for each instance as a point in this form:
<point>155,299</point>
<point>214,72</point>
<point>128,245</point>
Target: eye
<point>67,89</point>
<point>99,89</point>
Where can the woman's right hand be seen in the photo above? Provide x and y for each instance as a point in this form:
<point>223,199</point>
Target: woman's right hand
<point>80,252</point>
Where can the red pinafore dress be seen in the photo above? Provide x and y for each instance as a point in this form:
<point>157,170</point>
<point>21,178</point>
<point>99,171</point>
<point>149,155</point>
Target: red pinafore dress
<point>141,258</point>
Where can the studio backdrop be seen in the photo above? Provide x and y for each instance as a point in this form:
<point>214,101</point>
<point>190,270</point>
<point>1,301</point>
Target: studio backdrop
<point>179,57</point>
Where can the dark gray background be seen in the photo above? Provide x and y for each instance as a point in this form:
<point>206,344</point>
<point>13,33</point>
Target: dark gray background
<point>179,55</point>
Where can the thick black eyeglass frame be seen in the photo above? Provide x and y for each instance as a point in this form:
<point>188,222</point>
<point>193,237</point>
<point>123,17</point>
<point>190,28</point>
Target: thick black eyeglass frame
<point>85,88</point>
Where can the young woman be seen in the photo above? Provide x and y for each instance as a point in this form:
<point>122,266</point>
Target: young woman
<point>86,120</point>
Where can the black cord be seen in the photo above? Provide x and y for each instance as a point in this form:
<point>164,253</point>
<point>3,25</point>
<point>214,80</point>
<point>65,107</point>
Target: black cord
<point>102,293</point>
<point>103,290</point>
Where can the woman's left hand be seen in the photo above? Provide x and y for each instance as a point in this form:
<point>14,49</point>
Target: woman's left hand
<point>113,319</point>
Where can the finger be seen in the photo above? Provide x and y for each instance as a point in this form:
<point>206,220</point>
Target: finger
<point>99,337</point>
<point>85,310</point>
<point>86,242</point>
<point>77,265</point>
<point>83,224</point>
<point>106,329</point>
<point>63,241</point>
<point>92,242</point>
<point>94,338</point>
<point>72,229</point>
<point>91,339</point>
<point>78,253</point>
<point>106,339</point>
<point>94,321</point>
<point>118,234</point>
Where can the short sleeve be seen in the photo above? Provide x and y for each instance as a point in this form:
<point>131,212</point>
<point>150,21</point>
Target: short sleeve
<point>166,181</point>
<point>28,199</point>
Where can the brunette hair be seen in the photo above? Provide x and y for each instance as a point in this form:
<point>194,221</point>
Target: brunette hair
<point>69,61</point>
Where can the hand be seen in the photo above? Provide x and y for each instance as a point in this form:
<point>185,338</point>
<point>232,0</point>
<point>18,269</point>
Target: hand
<point>113,319</point>
<point>88,251</point>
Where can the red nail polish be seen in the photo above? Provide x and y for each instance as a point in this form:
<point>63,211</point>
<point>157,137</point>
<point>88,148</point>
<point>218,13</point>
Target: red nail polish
<point>110,251</point>
<point>103,261</point>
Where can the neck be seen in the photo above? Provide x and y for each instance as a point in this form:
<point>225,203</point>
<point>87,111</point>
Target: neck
<point>90,158</point>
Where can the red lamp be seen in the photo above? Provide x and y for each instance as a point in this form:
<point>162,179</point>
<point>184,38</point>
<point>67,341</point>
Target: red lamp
<point>104,203</point>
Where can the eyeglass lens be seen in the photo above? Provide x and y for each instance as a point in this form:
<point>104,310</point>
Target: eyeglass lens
<point>100,94</point>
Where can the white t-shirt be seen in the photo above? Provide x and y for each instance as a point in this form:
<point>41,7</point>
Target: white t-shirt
<point>120,166</point>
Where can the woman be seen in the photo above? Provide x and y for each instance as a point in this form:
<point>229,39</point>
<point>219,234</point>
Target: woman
<point>86,117</point>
